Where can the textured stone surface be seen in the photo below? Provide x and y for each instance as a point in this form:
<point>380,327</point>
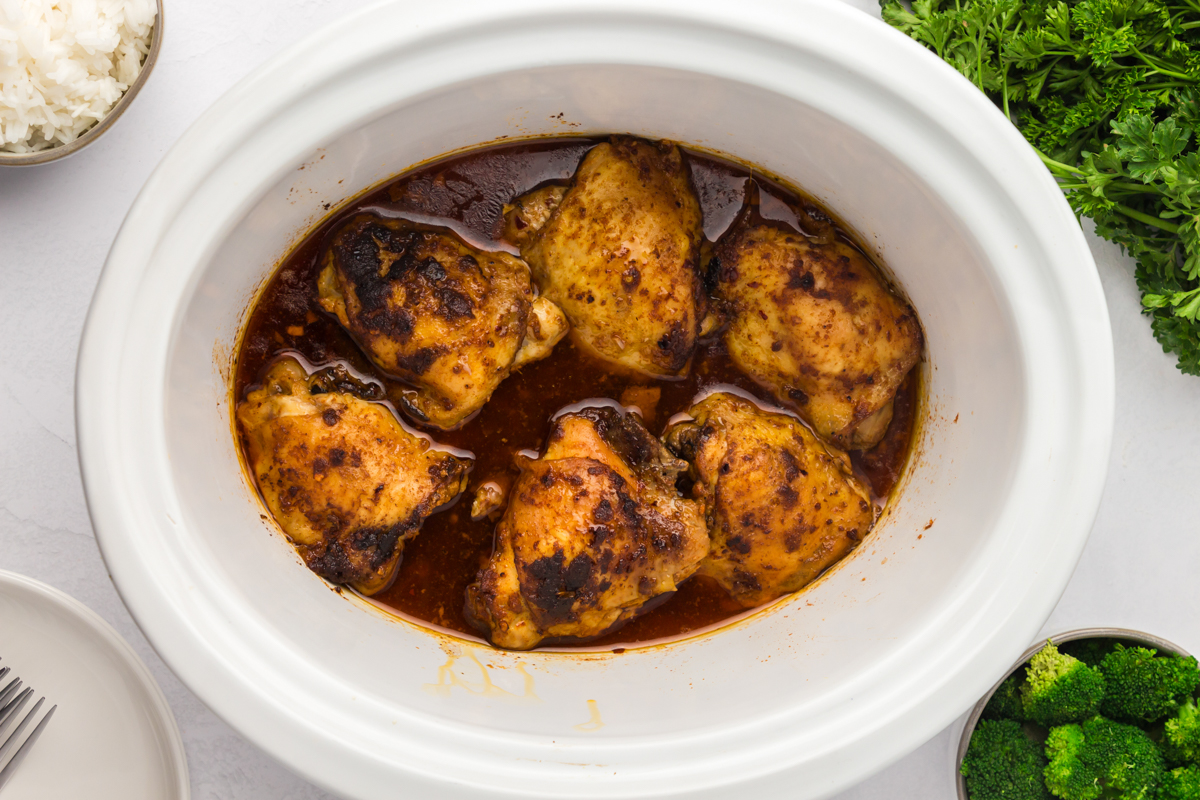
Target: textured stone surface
<point>57,222</point>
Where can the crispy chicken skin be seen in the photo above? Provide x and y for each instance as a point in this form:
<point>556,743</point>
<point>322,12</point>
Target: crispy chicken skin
<point>619,252</point>
<point>346,482</point>
<point>594,533</point>
<point>813,323</point>
<point>444,317</point>
<point>781,506</point>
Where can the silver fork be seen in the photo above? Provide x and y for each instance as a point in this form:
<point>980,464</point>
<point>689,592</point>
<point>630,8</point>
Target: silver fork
<point>12,701</point>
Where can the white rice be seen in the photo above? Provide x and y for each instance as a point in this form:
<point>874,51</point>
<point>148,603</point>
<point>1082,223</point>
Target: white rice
<point>64,64</point>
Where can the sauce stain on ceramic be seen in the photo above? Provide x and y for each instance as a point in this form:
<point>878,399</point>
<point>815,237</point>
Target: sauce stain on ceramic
<point>594,722</point>
<point>449,677</point>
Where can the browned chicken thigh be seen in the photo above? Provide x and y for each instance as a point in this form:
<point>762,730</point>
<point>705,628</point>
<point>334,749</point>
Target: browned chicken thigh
<point>619,252</point>
<point>346,482</point>
<point>813,323</point>
<point>782,507</point>
<point>594,533</point>
<point>436,313</point>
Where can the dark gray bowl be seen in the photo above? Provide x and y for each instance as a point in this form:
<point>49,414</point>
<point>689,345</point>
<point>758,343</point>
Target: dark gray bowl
<point>1137,637</point>
<point>93,133</point>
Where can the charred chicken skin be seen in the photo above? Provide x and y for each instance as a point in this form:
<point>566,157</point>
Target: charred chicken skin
<point>782,507</point>
<point>342,477</point>
<point>812,322</point>
<point>446,318</point>
<point>594,533</point>
<point>619,251</point>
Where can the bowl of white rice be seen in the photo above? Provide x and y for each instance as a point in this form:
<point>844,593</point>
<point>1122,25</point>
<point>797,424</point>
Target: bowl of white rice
<point>68,70</point>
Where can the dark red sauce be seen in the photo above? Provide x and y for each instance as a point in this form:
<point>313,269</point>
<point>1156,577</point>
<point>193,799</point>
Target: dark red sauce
<point>467,193</point>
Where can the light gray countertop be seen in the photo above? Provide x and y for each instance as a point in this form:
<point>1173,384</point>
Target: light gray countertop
<point>1141,567</point>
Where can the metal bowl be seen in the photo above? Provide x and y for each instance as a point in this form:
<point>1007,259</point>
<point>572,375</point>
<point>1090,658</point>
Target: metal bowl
<point>1124,634</point>
<point>93,133</point>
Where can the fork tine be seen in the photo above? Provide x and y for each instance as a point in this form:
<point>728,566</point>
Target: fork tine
<point>11,741</point>
<point>4,672</point>
<point>13,685</point>
<point>19,756</point>
<point>14,708</point>
<point>11,699</point>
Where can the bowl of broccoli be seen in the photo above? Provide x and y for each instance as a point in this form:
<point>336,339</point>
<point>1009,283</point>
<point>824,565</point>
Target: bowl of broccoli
<point>1090,714</point>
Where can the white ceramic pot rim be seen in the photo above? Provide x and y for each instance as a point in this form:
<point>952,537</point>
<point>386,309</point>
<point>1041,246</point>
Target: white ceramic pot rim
<point>847,40</point>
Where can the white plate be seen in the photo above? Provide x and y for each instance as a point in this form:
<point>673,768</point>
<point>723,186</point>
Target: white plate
<point>113,735</point>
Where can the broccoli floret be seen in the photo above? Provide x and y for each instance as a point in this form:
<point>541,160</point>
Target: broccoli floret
<point>1102,759</point>
<point>1005,702</point>
<point>1181,784</point>
<point>1059,688</point>
<point>1089,651</point>
<point>1143,686</point>
<point>1181,735</point>
<point>1002,763</point>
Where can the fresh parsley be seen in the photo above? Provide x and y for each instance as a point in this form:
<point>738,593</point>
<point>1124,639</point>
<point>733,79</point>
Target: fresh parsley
<point>1108,94</point>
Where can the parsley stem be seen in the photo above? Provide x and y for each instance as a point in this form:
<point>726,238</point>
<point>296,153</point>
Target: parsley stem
<point>1050,162</point>
<point>1127,187</point>
<point>979,54</point>
<point>1158,68</point>
<point>1153,222</point>
<point>1134,187</point>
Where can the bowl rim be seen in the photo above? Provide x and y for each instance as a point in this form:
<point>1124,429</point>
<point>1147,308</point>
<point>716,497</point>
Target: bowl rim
<point>96,131</point>
<point>315,754</point>
<point>1139,637</point>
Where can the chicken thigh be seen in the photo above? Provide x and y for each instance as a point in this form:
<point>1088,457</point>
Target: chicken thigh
<point>444,317</point>
<point>813,323</point>
<point>346,482</point>
<point>782,507</point>
<point>619,252</point>
<point>594,533</point>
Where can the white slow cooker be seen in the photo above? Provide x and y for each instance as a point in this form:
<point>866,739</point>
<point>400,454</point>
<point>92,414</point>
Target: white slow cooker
<point>798,700</point>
